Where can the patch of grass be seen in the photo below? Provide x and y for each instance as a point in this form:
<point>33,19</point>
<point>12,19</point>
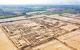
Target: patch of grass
<point>8,16</point>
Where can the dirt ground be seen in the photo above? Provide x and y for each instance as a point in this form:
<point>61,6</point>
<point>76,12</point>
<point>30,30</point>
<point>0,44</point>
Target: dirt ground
<point>5,43</point>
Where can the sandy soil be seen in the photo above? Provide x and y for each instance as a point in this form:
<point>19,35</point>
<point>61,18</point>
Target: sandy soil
<point>5,43</point>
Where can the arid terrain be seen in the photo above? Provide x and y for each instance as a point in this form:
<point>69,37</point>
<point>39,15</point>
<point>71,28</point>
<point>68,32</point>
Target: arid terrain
<point>41,32</point>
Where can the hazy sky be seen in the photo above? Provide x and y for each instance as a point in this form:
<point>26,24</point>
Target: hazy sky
<point>58,2</point>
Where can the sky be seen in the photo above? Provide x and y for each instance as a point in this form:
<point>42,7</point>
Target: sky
<point>43,2</point>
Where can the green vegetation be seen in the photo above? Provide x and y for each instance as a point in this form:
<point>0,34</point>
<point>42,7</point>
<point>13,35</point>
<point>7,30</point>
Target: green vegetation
<point>9,16</point>
<point>9,11</point>
<point>3,17</point>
